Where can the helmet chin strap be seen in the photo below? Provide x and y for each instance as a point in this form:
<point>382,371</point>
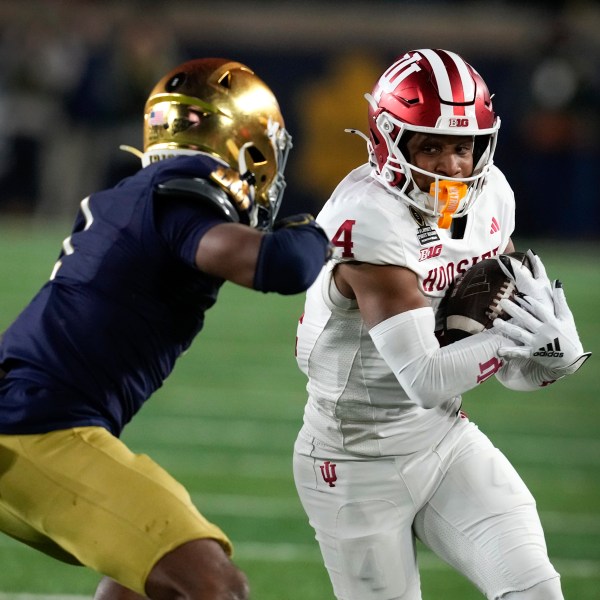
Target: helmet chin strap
<point>422,198</point>
<point>444,198</point>
<point>242,165</point>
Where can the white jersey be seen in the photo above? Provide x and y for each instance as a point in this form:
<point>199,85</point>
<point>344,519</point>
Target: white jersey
<point>355,403</point>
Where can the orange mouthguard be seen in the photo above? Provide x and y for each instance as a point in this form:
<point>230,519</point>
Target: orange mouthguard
<point>450,193</point>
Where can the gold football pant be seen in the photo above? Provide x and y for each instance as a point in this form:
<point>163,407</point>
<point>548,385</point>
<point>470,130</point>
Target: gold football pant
<point>81,496</point>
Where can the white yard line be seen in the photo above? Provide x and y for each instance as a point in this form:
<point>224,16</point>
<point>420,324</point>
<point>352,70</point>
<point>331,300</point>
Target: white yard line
<point>289,508</point>
<point>583,569</point>
<point>278,553</point>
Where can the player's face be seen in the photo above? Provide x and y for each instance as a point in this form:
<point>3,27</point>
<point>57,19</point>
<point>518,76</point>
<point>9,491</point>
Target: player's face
<point>444,155</point>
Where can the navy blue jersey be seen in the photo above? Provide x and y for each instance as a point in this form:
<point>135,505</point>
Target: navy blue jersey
<point>124,302</point>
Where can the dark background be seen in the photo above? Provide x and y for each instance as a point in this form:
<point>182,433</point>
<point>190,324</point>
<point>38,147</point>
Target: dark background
<point>74,76</point>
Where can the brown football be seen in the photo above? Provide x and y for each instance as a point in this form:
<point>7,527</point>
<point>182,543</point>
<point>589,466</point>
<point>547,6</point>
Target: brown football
<point>472,302</point>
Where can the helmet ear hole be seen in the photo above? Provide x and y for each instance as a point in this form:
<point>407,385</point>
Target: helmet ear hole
<point>258,158</point>
<point>175,82</point>
<point>225,80</point>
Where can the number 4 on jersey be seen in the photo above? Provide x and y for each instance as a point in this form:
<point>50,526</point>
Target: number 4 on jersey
<point>343,238</point>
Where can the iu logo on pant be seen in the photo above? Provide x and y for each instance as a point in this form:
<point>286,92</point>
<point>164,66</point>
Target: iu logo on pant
<point>328,473</point>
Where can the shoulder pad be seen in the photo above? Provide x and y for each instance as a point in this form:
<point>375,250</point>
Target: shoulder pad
<point>203,190</point>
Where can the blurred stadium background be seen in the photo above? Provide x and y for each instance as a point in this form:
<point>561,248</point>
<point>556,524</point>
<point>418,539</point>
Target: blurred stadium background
<point>74,76</point>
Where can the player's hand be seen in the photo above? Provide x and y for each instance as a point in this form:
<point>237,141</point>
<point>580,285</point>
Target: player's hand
<point>538,286</point>
<point>547,335</point>
<point>294,221</point>
<point>303,220</point>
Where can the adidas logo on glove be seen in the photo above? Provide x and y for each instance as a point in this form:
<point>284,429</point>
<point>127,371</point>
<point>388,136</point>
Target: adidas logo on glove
<point>551,351</point>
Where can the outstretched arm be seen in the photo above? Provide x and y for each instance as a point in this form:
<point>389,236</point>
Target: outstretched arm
<point>286,260</point>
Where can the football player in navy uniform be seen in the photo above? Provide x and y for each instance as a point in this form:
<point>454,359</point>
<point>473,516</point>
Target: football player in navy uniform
<point>144,262</point>
<point>385,455</point>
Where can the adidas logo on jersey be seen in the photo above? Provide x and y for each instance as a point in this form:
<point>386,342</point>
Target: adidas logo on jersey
<point>495,228</point>
<point>552,350</point>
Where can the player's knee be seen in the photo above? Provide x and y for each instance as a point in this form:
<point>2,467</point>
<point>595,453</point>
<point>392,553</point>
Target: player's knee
<point>198,570</point>
<point>547,590</point>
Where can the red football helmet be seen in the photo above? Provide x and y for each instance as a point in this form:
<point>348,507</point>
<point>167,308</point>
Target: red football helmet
<point>430,91</point>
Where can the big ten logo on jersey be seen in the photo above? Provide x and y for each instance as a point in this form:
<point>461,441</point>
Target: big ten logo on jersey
<point>431,252</point>
<point>399,71</point>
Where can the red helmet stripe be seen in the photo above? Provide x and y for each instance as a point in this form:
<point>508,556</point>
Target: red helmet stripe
<point>467,86</point>
<point>453,81</point>
<point>441,80</point>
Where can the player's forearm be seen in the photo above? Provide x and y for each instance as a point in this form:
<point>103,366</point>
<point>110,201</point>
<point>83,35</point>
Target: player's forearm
<point>291,257</point>
<point>427,373</point>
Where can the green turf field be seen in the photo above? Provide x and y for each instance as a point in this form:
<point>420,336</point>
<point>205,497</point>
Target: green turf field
<point>224,424</point>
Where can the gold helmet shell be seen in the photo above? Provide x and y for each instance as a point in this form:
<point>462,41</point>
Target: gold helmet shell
<point>220,107</point>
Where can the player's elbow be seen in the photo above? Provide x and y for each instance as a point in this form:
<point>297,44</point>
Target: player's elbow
<point>290,260</point>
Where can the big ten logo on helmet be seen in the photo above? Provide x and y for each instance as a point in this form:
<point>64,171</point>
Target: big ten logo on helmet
<point>400,70</point>
<point>431,252</point>
<point>456,122</point>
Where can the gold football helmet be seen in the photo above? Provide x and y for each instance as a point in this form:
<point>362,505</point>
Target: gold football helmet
<point>222,108</point>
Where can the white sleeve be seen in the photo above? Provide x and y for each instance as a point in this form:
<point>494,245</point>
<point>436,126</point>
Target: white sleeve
<point>428,373</point>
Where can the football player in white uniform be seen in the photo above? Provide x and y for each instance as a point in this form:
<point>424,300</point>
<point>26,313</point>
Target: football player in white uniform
<point>385,454</point>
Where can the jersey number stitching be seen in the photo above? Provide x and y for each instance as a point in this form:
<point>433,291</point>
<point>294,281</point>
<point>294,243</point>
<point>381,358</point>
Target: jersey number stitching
<point>343,238</point>
<point>67,245</point>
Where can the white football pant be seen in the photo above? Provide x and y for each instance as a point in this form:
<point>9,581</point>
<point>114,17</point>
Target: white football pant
<point>462,499</point>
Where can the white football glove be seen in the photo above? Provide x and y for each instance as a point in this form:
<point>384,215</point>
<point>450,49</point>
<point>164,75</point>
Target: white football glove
<point>538,286</point>
<point>547,333</point>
